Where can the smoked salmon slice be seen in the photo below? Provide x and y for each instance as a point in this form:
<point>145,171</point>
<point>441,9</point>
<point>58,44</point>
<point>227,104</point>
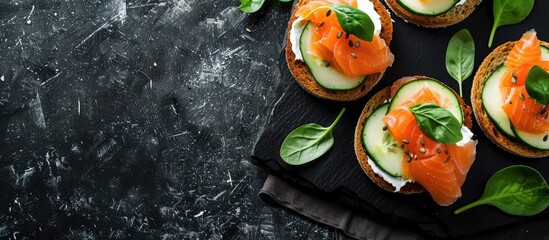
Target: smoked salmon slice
<point>441,169</point>
<point>524,112</point>
<point>345,52</point>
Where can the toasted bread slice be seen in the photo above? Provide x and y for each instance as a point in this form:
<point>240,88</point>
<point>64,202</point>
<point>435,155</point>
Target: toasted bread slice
<point>457,14</point>
<point>490,64</point>
<point>303,76</point>
<point>377,100</point>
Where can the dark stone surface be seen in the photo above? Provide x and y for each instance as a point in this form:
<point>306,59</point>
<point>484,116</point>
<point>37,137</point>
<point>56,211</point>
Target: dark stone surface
<point>132,119</point>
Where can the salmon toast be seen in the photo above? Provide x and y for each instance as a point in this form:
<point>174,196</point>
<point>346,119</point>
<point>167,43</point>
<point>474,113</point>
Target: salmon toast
<point>409,161</point>
<point>331,63</point>
<point>507,114</point>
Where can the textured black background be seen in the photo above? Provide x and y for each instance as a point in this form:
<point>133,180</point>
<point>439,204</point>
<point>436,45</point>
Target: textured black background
<point>418,51</point>
<point>132,119</point>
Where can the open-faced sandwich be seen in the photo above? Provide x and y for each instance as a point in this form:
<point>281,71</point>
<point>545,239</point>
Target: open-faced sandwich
<point>332,63</point>
<point>433,13</point>
<point>415,136</point>
<point>506,96</point>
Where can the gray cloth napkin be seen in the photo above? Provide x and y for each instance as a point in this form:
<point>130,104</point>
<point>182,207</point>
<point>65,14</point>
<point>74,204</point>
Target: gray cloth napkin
<point>348,224</point>
<point>351,224</point>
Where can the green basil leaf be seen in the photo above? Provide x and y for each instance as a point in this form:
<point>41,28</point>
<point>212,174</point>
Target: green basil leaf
<point>354,21</point>
<point>460,57</point>
<point>351,20</point>
<point>250,6</point>
<point>517,190</point>
<point>507,12</point>
<point>437,123</point>
<point>537,84</point>
<point>308,142</point>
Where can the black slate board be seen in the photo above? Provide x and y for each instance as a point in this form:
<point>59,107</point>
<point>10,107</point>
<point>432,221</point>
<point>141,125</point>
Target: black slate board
<point>418,51</point>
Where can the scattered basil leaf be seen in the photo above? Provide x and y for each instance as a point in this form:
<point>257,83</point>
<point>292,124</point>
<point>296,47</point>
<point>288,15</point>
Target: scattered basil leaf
<point>308,142</point>
<point>507,12</point>
<point>537,84</point>
<point>351,20</point>
<point>460,57</point>
<point>437,123</point>
<point>516,190</point>
<point>250,6</point>
<point>354,21</point>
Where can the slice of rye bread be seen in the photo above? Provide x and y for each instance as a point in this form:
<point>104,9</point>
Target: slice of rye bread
<point>494,60</point>
<point>454,15</point>
<point>378,99</point>
<point>302,75</point>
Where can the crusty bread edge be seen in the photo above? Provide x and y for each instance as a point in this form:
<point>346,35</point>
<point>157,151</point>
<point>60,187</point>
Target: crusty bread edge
<point>303,76</point>
<point>376,100</point>
<point>494,60</point>
<point>443,20</point>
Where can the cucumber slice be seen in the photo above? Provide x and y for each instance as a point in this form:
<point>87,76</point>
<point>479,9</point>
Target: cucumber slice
<point>428,8</point>
<point>410,89</point>
<point>491,102</point>
<point>492,99</point>
<point>384,151</point>
<point>538,141</point>
<point>324,75</point>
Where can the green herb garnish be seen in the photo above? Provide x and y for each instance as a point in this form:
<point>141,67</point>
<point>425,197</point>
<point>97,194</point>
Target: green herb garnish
<point>352,20</point>
<point>517,190</point>
<point>537,84</point>
<point>507,12</point>
<point>437,123</point>
<point>460,57</point>
<point>252,6</point>
<point>308,142</point>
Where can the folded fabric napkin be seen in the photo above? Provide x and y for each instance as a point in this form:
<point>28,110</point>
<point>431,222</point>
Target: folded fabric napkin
<point>350,224</point>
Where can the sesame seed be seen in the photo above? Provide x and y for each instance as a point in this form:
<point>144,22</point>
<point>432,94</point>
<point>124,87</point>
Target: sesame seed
<point>448,159</point>
<point>514,78</point>
<point>545,137</point>
<point>523,107</point>
<point>384,128</point>
<point>439,150</point>
<point>339,34</point>
<point>521,96</point>
<point>446,151</point>
<point>321,24</point>
<point>346,35</point>
<point>422,150</point>
<point>405,141</point>
<point>409,159</point>
<point>329,12</point>
<point>350,43</point>
<point>353,55</point>
<point>357,44</point>
<point>422,142</point>
<point>415,157</point>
